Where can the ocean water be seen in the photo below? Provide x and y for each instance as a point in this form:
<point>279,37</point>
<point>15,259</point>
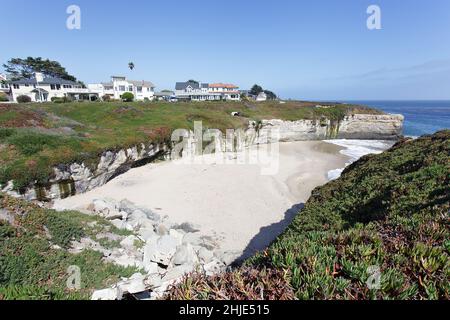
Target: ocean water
<point>421,117</point>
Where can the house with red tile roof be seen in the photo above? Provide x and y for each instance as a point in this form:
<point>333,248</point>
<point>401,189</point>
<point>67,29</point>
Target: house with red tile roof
<point>196,91</point>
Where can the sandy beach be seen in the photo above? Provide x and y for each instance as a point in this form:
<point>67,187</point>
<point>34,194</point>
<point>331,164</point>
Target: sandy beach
<point>243,209</point>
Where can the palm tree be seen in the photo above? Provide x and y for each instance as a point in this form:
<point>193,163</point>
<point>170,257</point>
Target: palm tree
<point>131,65</point>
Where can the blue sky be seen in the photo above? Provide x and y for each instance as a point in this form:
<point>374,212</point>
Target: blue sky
<point>317,49</point>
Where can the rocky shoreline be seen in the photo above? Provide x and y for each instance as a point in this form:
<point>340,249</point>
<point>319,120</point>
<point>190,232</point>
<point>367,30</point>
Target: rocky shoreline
<point>163,251</point>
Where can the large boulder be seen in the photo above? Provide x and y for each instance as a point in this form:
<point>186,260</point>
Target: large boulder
<point>135,284</point>
<point>179,235</point>
<point>129,242</point>
<point>107,294</point>
<point>205,255</point>
<point>162,251</point>
<point>185,254</point>
<point>187,227</point>
<point>105,208</point>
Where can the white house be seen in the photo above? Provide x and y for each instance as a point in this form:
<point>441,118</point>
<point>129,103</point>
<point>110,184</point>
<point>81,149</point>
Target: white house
<point>41,89</point>
<point>261,97</point>
<point>142,90</point>
<point>195,91</point>
<point>4,86</point>
<point>226,91</point>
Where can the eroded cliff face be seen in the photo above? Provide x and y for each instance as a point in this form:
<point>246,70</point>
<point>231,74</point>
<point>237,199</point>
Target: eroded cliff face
<point>359,126</point>
<point>76,178</point>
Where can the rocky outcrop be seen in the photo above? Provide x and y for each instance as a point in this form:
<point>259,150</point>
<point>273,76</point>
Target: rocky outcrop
<point>358,126</point>
<point>164,252</point>
<point>80,177</point>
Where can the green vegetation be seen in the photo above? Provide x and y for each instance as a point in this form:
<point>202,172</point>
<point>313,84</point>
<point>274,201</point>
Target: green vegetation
<point>389,210</point>
<point>127,97</point>
<point>19,68</point>
<point>23,99</point>
<point>34,258</point>
<point>36,137</point>
<point>3,97</point>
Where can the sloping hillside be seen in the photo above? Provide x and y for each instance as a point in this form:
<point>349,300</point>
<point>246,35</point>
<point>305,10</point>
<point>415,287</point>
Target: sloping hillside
<point>388,212</point>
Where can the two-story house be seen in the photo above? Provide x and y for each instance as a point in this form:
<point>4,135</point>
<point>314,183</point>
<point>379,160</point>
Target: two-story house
<point>142,90</point>
<point>196,91</point>
<point>49,87</point>
<point>226,91</point>
<point>4,85</point>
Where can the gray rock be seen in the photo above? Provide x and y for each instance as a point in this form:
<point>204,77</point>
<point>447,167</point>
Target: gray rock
<point>132,209</point>
<point>127,206</point>
<point>177,235</point>
<point>214,267</point>
<point>205,255</point>
<point>227,257</point>
<point>106,209</point>
<point>122,225</point>
<point>185,254</point>
<point>193,239</point>
<point>160,252</point>
<point>175,274</point>
<point>167,244</point>
<point>133,285</point>
<point>151,215</point>
<point>146,233</point>
<point>107,294</point>
<point>150,267</point>
<point>188,227</point>
<point>153,281</point>
<point>126,259</point>
<point>162,230</point>
<point>129,242</point>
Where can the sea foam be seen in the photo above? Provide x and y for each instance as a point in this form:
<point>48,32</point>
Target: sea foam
<point>355,149</point>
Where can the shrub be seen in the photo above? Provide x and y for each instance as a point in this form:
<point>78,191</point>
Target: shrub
<point>23,99</point>
<point>106,98</point>
<point>6,132</point>
<point>127,97</point>
<point>3,97</point>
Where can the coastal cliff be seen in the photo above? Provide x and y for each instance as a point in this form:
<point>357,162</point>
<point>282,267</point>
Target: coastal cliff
<point>358,126</point>
<point>79,177</point>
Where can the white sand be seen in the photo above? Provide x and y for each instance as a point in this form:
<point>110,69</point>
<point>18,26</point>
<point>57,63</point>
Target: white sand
<point>236,203</point>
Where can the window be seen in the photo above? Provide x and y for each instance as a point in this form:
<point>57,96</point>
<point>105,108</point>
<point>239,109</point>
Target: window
<point>55,86</point>
<point>121,88</point>
<point>67,86</point>
<point>130,88</point>
<point>16,86</point>
<point>139,89</point>
<point>27,85</point>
